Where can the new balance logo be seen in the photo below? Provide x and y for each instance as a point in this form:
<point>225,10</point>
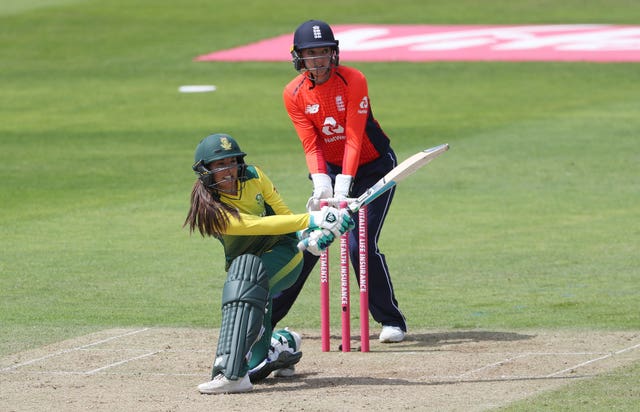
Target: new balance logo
<point>312,108</point>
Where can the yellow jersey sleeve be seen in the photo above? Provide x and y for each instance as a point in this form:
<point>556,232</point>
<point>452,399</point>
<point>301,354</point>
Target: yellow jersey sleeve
<point>250,225</point>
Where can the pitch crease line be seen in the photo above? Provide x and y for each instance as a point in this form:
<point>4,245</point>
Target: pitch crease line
<point>594,360</point>
<point>66,373</point>
<point>492,365</point>
<point>62,352</point>
<point>122,362</point>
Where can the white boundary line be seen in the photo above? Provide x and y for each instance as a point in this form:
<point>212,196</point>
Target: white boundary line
<point>62,352</point>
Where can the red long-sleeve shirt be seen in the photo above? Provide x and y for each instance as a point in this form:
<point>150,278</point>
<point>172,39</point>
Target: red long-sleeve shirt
<point>334,121</point>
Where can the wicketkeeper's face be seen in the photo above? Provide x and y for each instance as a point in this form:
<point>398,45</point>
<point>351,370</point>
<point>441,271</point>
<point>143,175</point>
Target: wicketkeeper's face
<point>318,62</point>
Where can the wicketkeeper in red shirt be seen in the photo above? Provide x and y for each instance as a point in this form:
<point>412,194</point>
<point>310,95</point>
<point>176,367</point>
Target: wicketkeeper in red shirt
<point>346,152</point>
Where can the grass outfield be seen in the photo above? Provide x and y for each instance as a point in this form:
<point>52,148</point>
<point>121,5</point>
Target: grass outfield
<point>529,221</point>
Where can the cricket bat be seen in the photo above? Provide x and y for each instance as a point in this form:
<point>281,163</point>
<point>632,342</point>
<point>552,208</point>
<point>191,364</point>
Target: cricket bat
<point>397,174</point>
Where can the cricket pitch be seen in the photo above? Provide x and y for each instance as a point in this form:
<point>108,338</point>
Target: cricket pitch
<point>152,369</point>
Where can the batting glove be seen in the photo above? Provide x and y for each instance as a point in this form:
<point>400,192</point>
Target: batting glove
<point>303,234</point>
<point>318,241</point>
<point>335,220</point>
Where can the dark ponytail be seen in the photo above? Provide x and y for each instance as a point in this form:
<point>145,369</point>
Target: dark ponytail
<point>207,212</point>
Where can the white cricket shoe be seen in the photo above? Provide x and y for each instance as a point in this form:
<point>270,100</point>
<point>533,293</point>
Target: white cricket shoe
<point>220,384</point>
<point>391,334</point>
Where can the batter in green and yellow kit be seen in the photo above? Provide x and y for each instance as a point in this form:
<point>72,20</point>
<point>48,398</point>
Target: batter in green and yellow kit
<point>240,206</point>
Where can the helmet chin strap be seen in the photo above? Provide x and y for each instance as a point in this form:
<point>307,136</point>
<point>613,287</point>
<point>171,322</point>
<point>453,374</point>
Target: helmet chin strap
<point>216,187</point>
<point>312,73</point>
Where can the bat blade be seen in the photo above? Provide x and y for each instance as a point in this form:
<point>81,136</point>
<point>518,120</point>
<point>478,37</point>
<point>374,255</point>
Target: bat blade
<point>399,173</point>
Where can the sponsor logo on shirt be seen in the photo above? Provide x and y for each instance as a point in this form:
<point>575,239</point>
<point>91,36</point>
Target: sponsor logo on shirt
<point>364,105</point>
<point>332,129</point>
<point>312,108</point>
<point>334,139</point>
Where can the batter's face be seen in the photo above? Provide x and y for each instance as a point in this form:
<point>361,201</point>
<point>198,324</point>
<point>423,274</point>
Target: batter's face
<point>318,62</point>
<point>225,174</point>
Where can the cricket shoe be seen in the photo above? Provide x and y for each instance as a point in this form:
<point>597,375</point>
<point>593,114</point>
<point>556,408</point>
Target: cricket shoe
<point>284,352</point>
<point>285,372</point>
<point>391,334</point>
<point>220,384</point>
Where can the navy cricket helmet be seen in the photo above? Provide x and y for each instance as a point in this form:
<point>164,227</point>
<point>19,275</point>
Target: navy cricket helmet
<point>312,34</point>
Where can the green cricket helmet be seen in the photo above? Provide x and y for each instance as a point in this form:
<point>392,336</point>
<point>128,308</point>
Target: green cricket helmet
<point>216,147</point>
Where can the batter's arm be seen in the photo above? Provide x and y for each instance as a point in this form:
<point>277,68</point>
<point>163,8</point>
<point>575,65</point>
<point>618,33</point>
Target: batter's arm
<point>250,225</point>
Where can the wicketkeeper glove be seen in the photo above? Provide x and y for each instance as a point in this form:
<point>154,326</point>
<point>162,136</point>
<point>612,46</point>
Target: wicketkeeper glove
<point>342,186</point>
<point>321,190</point>
<point>337,221</point>
<point>317,241</point>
